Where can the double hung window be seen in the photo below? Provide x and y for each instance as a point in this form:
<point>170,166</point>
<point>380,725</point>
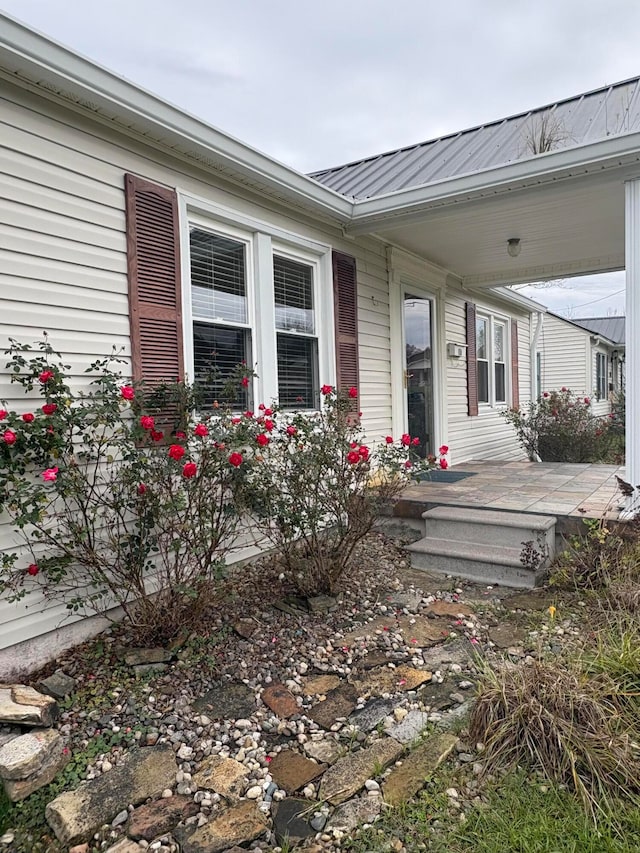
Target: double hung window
<point>491,355</point>
<point>601,376</point>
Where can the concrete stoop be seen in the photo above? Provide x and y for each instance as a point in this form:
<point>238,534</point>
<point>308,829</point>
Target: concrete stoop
<point>489,546</point>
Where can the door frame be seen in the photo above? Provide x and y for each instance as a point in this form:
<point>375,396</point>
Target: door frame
<point>417,277</point>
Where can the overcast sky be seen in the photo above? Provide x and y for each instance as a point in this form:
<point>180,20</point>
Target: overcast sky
<point>318,84</point>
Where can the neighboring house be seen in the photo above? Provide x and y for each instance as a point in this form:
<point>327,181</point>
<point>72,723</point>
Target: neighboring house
<point>577,354</point>
<point>126,221</point>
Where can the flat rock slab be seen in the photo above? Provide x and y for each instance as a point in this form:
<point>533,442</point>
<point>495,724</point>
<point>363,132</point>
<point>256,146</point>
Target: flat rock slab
<point>373,713</point>
<point>370,629</point>
<point>322,603</point>
<point>245,628</point>
<point>59,685</point>
<point>75,815</point>
<point>339,704</point>
<point>420,632</point>
<point>27,753</point>
<point>46,757</point>
<point>354,813</point>
<point>26,706</point>
<point>223,775</point>
<point>229,700</point>
<point>537,599</point>
<point>349,774</point>
<point>409,600</point>
<point>280,700</point>
<point>125,845</point>
<point>385,680</point>
<point>506,635</point>
<point>291,820</point>
<point>452,609</point>
<point>136,657</point>
<point>437,695</point>
<point>326,751</point>
<point>410,728</point>
<point>453,651</point>
<point>319,685</point>
<point>239,824</point>
<point>154,819</point>
<point>292,771</point>
<point>373,659</point>
<point>405,781</point>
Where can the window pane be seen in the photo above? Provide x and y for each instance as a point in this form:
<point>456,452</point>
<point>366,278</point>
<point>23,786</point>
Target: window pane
<point>218,281</point>
<point>217,350</point>
<point>501,392</point>
<point>498,341</point>
<point>483,382</point>
<point>481,337</point>
<point>297,372</point>
<point>293,289</point>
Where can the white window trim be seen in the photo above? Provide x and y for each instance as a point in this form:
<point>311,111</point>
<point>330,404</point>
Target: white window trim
<point>262,240</point>
<point>493,317</point>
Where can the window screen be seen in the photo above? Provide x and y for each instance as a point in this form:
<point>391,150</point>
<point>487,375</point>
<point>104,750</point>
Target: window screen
<point>483,359</point>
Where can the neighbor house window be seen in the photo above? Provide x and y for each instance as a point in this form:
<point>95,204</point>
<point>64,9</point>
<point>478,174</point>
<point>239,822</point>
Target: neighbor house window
<point>296,337</point>
<point>601,376</point>
<point>491,355</point>
<point>220,314</point>
<point>538,375</point>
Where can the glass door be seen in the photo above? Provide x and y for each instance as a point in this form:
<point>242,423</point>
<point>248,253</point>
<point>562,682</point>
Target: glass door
<point>418,370</point>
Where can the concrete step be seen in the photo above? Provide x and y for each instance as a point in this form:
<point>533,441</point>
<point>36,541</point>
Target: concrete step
<point>492,527</point>
<point>471,560</point>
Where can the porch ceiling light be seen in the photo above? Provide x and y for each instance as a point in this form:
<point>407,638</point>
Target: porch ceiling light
<point>513,246</point>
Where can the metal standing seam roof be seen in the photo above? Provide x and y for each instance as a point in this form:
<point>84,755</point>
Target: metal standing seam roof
<point>593,116</point>
<point>607,327</point>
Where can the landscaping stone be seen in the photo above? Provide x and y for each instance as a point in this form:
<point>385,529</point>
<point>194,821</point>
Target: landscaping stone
<point>384,680</point>
<point>229,700</point>
<point>291,821</point>
<point>143,669</point>
<point>351,814</point>
<point>137,657</point>
<point>409,600</point>
<point>154,819</point>
<point>245,628</point>
<point>125,845</point>
<point>339,703</point>
<point>292,771</point>
<point>26,706</point>
<point>537,599</point>
<point>348,775</point>
<point>322,603</point>
<point>380,623</point>
<point>280,700</point>
<point>410,728</point>
<point>437,696</point>
<point>373,659</point>
<point>421,632</point>
<point>223,775</point>
<point>59,685</point>
<point>373,713</point>
<point>458,713</point>
<point>27,753</point>
<point>325,751</point>
<point>453,609</point>
<point>239,824</point>
<point>406,780</point>
<point>75,815</point>
<point>506,635</point>
<point>453,651</point>
<point>319,685</point>
<point>8,733</point>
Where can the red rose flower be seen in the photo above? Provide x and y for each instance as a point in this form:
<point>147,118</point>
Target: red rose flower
<point>406,439</point>
<point>353,445</point>
<point>201,430</point>
<point>268,424</point>
<point>176,451</point>
<point>28,417</point>
<point>45,376</point>
<point>9,436</point>
<point>444,464</point>
<point>141,488</point>
<point>248,414</point>
<point>545,394</point>
<point>389,439</point>
<point>190,469</point>
<point>443,449</point>
<point>262,407</point>
<point>147,422</point>
<point>353,457</point>
<point>236,420</point>
<point>353,392</point>
<point>235,459</point>
<point>33,569</point>
<point>50,475</point>
<point>586,401</point>
<point>408,463</point>
<point>180,434</point>
<point>127,392</point>
<point>262,439</point>
<point>156,435</point>
<point>364,453</point>
<point>415,441</point>
<point>564,388</point>
<point>3,414</point>
<point>326,389</point>
<point>245,381</point>
<point>49,408</point>
<point>291,430</point>
<point>268,411</point>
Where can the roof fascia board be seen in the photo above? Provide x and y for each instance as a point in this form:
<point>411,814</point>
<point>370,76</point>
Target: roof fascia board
<point>506,295</point>
<point>26,52</point>
<point>544,168</point>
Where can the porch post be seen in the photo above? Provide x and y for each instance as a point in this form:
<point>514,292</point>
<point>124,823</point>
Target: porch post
<point>632,335</point>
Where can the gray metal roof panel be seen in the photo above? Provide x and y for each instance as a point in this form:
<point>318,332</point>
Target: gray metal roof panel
<point>612,328</point>
<point>610,111</point>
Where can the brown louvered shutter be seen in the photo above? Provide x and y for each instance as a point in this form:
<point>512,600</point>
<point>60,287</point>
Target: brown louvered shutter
<point>345,299</point>
<point>472,364</point>
<point>153,262</point>
<point>515,379</point>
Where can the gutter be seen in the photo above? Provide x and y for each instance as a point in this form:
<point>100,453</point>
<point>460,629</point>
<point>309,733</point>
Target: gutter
<point>533,354</point>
